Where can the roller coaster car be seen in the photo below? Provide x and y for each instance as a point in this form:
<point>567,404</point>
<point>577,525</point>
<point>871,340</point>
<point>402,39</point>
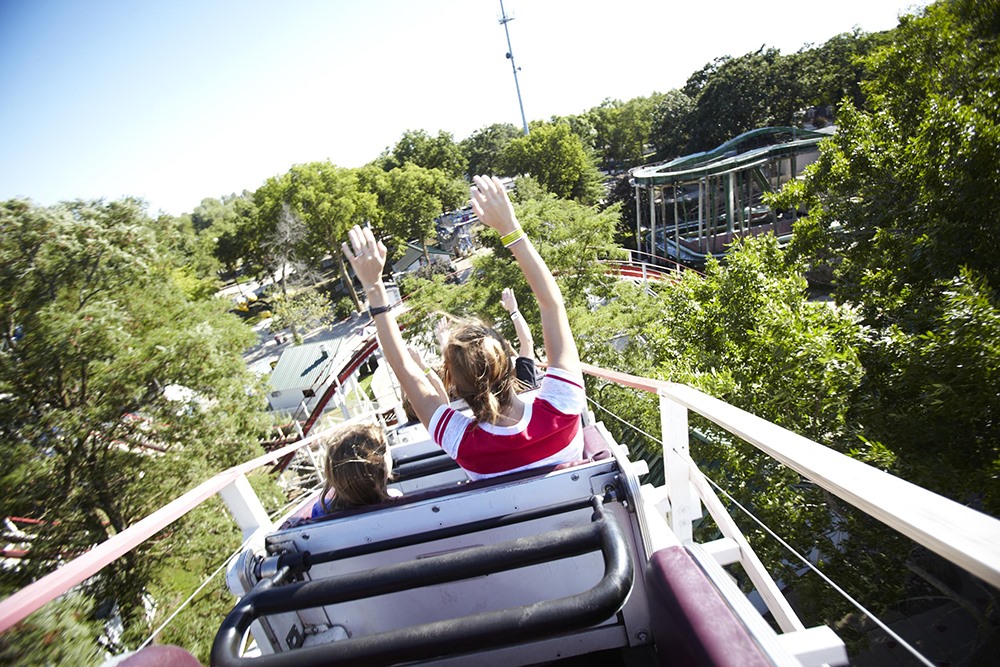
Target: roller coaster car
<point>560,566</point>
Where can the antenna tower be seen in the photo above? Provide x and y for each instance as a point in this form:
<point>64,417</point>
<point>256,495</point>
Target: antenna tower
<point>504,20</point>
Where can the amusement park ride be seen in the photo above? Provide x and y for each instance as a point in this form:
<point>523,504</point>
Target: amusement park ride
<point>581,564</point>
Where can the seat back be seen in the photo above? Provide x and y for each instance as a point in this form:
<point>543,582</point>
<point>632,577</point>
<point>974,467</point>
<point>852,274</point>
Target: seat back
<point>372,541</point>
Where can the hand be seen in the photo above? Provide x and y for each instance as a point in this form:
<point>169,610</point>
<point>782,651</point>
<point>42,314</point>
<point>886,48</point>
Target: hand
<point>508,300</point>
<point>366,255</point>
<point>491,204</point>
<point>441,331</point>
<point>417,357</point>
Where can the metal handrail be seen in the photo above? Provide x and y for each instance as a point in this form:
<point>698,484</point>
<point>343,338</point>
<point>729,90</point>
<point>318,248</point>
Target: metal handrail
<point>960,534</point>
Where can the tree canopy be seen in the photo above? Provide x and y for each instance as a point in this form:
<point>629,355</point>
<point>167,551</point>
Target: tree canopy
<point>483,148</point>
<point>418,147</point>
<point>118,391</point>
<point>558,160</point>
<point>902,204</point>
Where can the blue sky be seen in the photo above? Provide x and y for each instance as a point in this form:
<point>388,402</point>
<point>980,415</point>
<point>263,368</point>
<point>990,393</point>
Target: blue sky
<point>177,100</point>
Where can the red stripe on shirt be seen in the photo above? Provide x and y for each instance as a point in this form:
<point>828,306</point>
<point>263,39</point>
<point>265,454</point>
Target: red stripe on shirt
<point>443,425</point>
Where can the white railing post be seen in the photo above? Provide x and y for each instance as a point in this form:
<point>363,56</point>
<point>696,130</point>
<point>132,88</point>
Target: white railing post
<point>685,507</point>
<point>245,506</point>
<point>304,408</point>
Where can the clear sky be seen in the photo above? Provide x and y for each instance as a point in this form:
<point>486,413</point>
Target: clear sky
<point>177,100</point>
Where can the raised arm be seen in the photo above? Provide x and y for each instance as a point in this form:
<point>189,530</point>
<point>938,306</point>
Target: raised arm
<point>367,256</point>
<point>430,373</point>
<point>525,341</point>
<point>492,206</point>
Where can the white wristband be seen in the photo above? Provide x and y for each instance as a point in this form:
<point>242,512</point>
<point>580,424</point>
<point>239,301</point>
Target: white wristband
<point>515,314</point>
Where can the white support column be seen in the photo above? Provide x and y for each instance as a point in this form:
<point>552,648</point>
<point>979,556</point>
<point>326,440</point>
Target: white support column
<point>304,408</point>
<point>663,217</point>
<point>730,202</point>
<point>677,224</point>
<point>652,221</point>
<point>684,504</point>
<point>245,507</point>
<point>341,397</point>
<point>354,387</point>
<point>638,220</point>
<point>702,216</point>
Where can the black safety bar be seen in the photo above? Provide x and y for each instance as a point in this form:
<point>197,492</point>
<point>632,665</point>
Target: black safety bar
<point>452,636</point>
<point>423,466</point>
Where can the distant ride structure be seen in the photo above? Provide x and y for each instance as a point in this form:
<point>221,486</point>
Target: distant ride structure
<point>692,207</point>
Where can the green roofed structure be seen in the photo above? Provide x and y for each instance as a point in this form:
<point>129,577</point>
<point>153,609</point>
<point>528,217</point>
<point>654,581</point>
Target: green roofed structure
<point>696,205</point>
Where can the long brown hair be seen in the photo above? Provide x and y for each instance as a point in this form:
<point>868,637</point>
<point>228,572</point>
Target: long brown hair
<point>355,467</point>
<point>478,368</point>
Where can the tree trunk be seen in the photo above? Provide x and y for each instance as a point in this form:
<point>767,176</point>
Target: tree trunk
<point>347,281</point>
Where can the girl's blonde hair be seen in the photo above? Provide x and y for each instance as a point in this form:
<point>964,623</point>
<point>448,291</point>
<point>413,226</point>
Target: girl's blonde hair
<point>478,367</point>
<point>356,467</point>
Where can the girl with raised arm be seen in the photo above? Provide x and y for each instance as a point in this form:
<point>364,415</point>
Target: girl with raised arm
<point>505,433</point>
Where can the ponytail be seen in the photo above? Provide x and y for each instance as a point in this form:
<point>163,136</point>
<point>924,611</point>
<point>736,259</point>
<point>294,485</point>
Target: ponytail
<point>478,368</point>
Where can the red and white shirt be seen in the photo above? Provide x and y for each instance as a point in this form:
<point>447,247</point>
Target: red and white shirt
<point>548,433</point>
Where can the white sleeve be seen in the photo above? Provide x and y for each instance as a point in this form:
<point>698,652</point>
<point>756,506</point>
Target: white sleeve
<point>563,391</point>
<point>447,427</point>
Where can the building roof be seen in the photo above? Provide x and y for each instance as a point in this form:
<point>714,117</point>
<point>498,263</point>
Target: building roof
<point>413,254</point>
<point>302,366</point>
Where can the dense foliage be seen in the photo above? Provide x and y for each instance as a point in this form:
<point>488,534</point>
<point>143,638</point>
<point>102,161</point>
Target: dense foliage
<point>118,392</point>
<point>903,204</point>
<point>121,382</point>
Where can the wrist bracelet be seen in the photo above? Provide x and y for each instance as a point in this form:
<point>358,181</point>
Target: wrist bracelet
<point>427,371</point>
<point>378,310</point>
<point>513,243</point>
<point>515,314</point>
<point>508,239</point>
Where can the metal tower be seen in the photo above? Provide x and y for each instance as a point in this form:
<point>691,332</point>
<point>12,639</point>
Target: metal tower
<point>504,20</point>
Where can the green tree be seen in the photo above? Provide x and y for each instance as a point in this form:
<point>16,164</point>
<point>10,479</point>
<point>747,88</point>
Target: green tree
<point>61,633</point>
<point>582,125</point>
<point>483,148</point>
<point>303,310</point>
<point>902,203</point>
<point>413,198</point>
<point>670,133</point>
<point>440,152</point>
<point>330,202</point>
<point>275,233</point>
<point>834,71</point>
<point>232,242</point>
<point>622,130</point>
<point>557,159</point>
<point>212,219</point>
<point>735,95</point>
<point>119,393</point>
<point>212,212</point>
